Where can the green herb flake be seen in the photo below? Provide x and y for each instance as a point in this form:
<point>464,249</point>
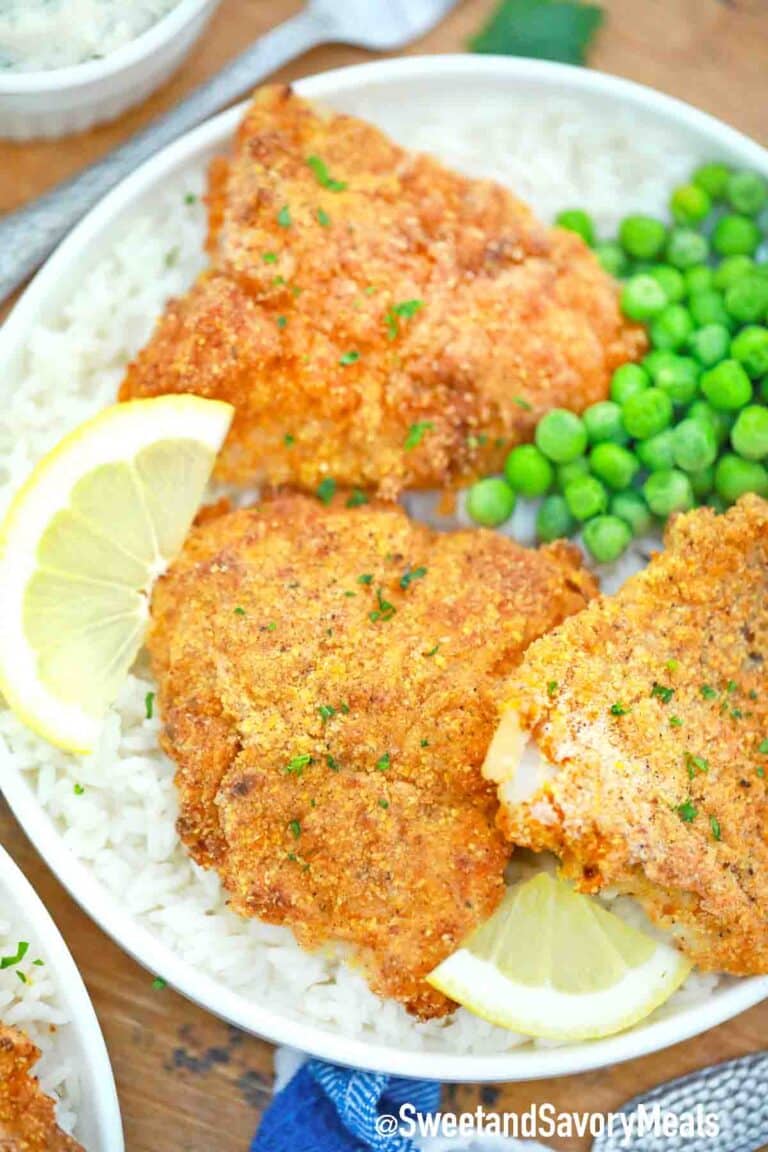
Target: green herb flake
<point>356,499</point>
<point>239,611</point>
<point>323,177</point>
<point>405,310</point>
<point>672,665</point>
<point>326,711</point>
<point>366,578</point>
<point>78,789</point>
<point>560,30</point>
<point>687,812</point>
<point>752,694</point>
<point>295,828</point>
<point>384,804</point>
<point>282,321</point>
<point>416,434</point>
<point>149,705</point>
<point>714,824</point>
<point>289,440</point>
<point>552,687</point>
<point>323,218</point>
<point>269,257</point>
<point>521,402</point>
<point>21,950</point>
<point>761,772</point>
<point>332,763</point>
<point>410,575</point>
<point>424,743</point>
<point>190,198</point>
<point>22,977</point>
<point>675,722</point>
<point>326,490</point>
<point>619,709</point>
<point>297,765</point>
<point>384,763</point>
<point>662,693</point>
<point>695,765</point>
<point>158,984</point>
<point>763,747</point>
<point>349,358</point>
<point>731,687</point>
<point>433,651</point>
<point>708,692</point>
<point>385,610</point>
<point>284,217</point>
<point>172,257</point>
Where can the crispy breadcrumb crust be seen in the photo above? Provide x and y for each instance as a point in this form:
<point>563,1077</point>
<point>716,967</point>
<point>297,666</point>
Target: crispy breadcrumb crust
<point>329,680</point>
<point>27,1115</point>
<point>306,320</point>
<point>667,800</point>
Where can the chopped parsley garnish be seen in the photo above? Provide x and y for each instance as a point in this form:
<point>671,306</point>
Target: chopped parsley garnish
<point>552,687</point>
<point>269,257</point>
<point>282,321</point>
<point>289,440</point>
<point>433,651</point>
<point>664,694</point>
<point>675,722</point>
<point>349,593</point>
<point>239,611</point>
<point>763,747</point>
<point>731,687</point>
<point>761,772</point>
<point>752,694</point>
<point>708,692</point>
<point>326,490</point>
<point>284,217</point>
<point>271,626</point>
<point>323,218</point>
<point>332,764</point>
<point>149,704</point>
<point>672,665</point>
<point>383,764</point>
<point>695,764</point>
<point>385,610</point>
<point>416,434</point>
<point>366,578</point>
<point>323,177</point>
<point>405,311</point>
<point>522,403</point>
<point>424,742</point>
<point>158,984</point>
<point>171,257</point>
<point>190,198</point>
<point>619,709</point>
<point>78,789</point>
<point>295,828</point>
<point>326,711</point>
<point>39,963</point>
<point>687,812</point>
<point>410,575</point>
<point>349,358</point>
<point>383,803</point>
<point>21,950</point>
<point>356,498</point>
<point>714,824</point>
<point>297,765</point>
<point>22,977</point>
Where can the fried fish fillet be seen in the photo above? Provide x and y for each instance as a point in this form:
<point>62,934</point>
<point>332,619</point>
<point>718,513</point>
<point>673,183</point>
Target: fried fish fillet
<point>329,681</point>
<point>27,1115</point>
<point>636,745</point>
<point>375,317</point>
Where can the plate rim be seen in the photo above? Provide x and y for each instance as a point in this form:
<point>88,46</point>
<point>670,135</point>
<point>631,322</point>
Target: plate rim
<point>95,900</point>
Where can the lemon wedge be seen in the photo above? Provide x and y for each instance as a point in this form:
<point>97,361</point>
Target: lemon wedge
<point>93,527</point>
<point>553,963</point>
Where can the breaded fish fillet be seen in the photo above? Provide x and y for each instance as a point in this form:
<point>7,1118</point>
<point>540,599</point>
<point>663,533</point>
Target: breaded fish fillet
<point>329,682</point>
<point>27,1116</point>
<point>647,769</point>
<point>375,317</point>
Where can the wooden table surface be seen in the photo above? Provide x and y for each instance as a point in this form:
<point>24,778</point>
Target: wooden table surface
<point>187,1082</point>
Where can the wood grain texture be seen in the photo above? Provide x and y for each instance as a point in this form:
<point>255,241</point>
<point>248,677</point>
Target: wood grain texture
<point>187,1082</point>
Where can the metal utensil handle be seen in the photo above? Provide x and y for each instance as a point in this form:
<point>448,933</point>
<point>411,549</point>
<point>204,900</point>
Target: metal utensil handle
<point>28,236</point>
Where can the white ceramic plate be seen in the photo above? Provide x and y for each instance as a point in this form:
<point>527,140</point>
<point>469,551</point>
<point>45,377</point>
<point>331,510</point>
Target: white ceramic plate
<point>79,1041</point>
<point>402,96</point>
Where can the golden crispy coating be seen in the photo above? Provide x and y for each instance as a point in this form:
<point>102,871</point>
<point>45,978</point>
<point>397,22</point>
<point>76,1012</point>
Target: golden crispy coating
<point>329,681</point>
<point>27,1116</point>
<point>357,290</point>
<point>652,708</point>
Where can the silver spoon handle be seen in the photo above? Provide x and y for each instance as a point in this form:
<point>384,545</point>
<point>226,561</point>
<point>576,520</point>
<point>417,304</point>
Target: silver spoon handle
<point>29,235</point>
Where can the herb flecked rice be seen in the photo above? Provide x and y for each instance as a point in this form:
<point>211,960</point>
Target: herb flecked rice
<point>121,818</point>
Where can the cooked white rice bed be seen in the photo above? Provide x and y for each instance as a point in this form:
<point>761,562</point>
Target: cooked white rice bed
<point>123,825</point>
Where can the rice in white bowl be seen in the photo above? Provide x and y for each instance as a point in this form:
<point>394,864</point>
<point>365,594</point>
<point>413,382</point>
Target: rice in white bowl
<point>30,1001</point>
<point>122,821</point>
<point>39,35</point>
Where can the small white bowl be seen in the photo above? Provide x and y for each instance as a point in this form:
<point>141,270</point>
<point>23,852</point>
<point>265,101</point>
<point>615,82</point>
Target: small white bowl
<point>79,1041</point>
<point>59,101</point>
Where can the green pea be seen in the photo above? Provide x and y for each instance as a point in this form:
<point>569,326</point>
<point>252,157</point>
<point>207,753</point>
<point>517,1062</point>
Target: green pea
<point>647,413</point>
<point>747,300</point>
<point>678,376</point>
<point>490,502</point>
<point>657,453</point>
<point>750,348</point>
<point>727,386</point>
<point>561,436</point>
<point>735,235</point>
<point>564,473</point>
<point>734,477</point>
<point>747,192</point>
<point>603,423</point>
<point>690,204</point>
<point>710,344</point>
<point>578,221</point>
<point>613,258</point>
<point>709,308</point>
<point>606,537</point>
<point>686,248</point>
<point>586,497</point>
<point>671,329</point>
<point>694,445</point>
<point>630,506</point>
<point>627,380</point>
<point>528,471</point>
<point>642,297</point>
<point>699,278</point>
<point>713,179</point>
<point>720,422</point>
<point>702,481</point>
<point>731,269</point>
<point>553,520</point>
<point>614,464</point>
<point>749,435</point>
<point>642,237</point>
<point>671,281</point>
<point>668,492</point>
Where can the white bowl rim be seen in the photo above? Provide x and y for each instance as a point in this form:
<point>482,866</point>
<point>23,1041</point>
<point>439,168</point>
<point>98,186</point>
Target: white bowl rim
<point>73,994</point>
<point>153,954</point>
<point>56,80</point>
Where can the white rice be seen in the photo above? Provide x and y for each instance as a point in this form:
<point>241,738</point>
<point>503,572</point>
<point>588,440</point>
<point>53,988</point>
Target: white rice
<point>34,1007</point>
<point>122,825</point>
<point>46,34</point>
